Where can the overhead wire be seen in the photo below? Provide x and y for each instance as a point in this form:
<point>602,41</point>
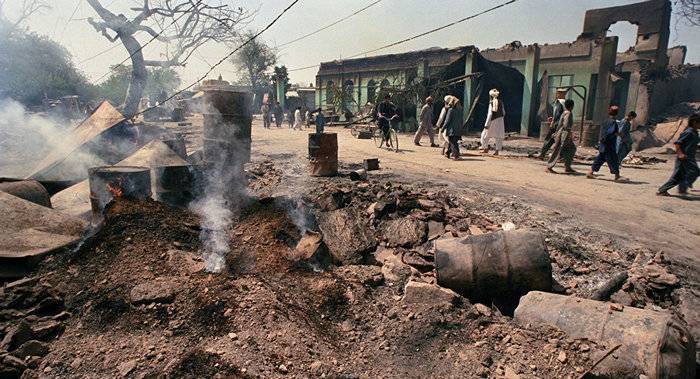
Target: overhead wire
<point>226,57</point>
<point>423,34</point>
<point>336,22</point>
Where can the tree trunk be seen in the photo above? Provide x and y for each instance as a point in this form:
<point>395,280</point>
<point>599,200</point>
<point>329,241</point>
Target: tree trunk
<point>139,76</point>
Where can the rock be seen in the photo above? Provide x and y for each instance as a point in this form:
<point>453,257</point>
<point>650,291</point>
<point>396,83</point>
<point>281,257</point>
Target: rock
<point>48,306</point>
<point>31,348</point>
<point>616,307</point>
<point>561,357</point>
<point>367,275</point>
<point>13,361</point>
<point>475,230</point>
<point>382,208</point>
<point>347,235</point>
<point>18,335</point>
<point>283,369</point>
<point>688,306</point>
<point>427,204</point>
<point>483,310</point>
<point>510,374</point>
<point>332,201</point>
<point>383,253</point>
<point>46,330</point>
<point>152,292</point>
<point>406,232</point>
<point>311,248</point>
<point>435,230</point>
<point>428,294</point>
<point>76,363</point>
<point>397,272</point>
<point>125,368</point>
<point>508,226</point>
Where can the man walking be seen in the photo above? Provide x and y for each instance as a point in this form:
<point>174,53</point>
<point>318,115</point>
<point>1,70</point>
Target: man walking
<point>607,152</point>
<point>425,123</point>
<point>686,170</point>
<point>279,114</point>
<point>265,110</point>
<point>454,122</point>
<point>558,111</point>
<point>564,146</point>
<point>624,141</point>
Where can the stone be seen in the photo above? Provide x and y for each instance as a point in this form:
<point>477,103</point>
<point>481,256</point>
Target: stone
<point>397,272</point>
<point>367,275</point>
<point>435,230</point>
<point>13,361</point>
<point>405,232</point>
<point>152,292</point>
<point>311,249</point>
<point>46,330</point>
<point>561,357</point>
<point>382,208</point>
<point>483,310</point>
<point>510,374</point>
<point>32,348</point>
<point>18,335</point>
<point>427,204</point>
<point>347,235</point>
<point>428,294</point>
<point>283,369</point>
<point>475,230</point>
<point>332,201</point>
<point>125,368</point>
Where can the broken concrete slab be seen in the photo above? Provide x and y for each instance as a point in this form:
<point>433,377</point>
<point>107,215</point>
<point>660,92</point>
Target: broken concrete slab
<point>30,230</point>
<point>406,232</point>
<point>157,291</point>
<point>75,200</point>
<point>347,235</point>
<point>428,294</point>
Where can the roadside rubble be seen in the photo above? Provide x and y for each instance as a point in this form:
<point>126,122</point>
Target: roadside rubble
<point>305,297</point>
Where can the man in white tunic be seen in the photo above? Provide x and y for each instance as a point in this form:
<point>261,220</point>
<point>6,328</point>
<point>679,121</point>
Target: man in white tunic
<point>297,119</point>
<point>425,123</point>
<point>494,126</point>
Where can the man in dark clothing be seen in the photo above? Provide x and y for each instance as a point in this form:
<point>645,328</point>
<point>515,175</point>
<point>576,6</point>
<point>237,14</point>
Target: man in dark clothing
<point>607,151</point>
<point>279,114</point>
<point>386,111</point>
<point>686,170</point>
<point>558,111</point>
<point>564,146</point>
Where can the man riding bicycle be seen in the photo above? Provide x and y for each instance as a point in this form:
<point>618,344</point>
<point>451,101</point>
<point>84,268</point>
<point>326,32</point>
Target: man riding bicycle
<point>386,111</point>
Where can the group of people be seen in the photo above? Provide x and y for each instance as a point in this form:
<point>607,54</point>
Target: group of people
<point>298,118</point>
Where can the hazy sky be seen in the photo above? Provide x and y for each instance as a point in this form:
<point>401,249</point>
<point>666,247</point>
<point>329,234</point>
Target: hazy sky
<point>529,21</point>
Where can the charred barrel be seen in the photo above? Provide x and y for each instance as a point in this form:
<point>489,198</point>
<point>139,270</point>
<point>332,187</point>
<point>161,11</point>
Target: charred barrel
<point>29,190</point>
<point>323,154</point>
<point>227,124</point>
<point>501,265</point>
<point>110,182</point>
<point>173,185</point>
<point>652,343</point>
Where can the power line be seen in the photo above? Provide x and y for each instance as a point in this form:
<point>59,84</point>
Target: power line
<point>229,55</point>
<point>75,10</point>
<point>418,35</point>
<point>153,38</point>
<point>282,46</point>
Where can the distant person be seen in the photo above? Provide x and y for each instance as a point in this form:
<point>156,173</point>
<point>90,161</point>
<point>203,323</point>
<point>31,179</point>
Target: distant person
<point>440,124</point>
<point>624,141</point>
<point>307,116</point>
<point>290,117</point>
<point>279,114</point>
<point>454,120</point>
<point>607,152</point>
<point>686,170</point>
<point>495,123</point>
<point>320,121</point>
<point>265,110</point>
<point>304,113</point>
<point>298,122</point>
<point>557,112</point>
<point>386,112</point>
<point>564,146</point>
<point>425,123</point>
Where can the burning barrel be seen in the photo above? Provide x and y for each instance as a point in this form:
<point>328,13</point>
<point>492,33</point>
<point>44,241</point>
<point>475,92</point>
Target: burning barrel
<point>323,153</point>
<point>110,182</point>
<point>173,185</point>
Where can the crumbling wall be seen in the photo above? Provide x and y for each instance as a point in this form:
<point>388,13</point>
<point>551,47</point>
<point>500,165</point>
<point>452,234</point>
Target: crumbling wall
<point>652,17</point>
<point>660,89</point>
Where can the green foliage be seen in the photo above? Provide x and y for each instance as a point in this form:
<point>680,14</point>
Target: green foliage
<point>159,80</point>
<point>254,61</point>
<point>32,66</point>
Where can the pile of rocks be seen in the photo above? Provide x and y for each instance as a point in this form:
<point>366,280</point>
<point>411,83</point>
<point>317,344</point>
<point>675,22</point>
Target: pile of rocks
<point>32,314</point>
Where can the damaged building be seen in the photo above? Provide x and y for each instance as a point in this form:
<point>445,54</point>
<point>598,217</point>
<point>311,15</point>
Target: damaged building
<point>648,78</point>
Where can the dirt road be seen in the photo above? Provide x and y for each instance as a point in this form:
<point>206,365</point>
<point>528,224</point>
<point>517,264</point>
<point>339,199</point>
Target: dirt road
<point>630,210</point>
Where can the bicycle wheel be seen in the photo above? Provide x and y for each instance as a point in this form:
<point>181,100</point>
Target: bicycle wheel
<point>378,136</point>
<point>355,132</point>
<point>394,140</point>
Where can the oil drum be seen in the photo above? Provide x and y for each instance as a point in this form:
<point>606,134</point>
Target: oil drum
<point>323,154</point>
<point>110,182</point>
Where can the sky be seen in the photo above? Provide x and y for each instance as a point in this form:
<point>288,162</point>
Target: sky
<point>528,21</point>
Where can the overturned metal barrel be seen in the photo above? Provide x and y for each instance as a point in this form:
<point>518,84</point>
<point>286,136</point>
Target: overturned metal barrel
<point>29,190</point>
<point>323,154</point>
<point>652,343</point>
<point>110,182</point>
<point>501,265</point>
<point>177,144</point>
<point>173,185</point>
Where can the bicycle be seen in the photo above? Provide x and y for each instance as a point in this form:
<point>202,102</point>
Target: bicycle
<point>392,141</point>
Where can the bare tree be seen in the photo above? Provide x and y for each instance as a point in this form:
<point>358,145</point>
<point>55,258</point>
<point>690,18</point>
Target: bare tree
<point>27,9</point>
<point>186,25</point>
<point>688,11</point>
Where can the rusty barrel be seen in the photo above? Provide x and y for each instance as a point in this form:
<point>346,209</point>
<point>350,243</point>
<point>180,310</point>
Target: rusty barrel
<point>591,135</point>
<point>29,190</point>
<point>227,127</point>
<point>109,182</point>
<point>173,185</point>
<point>500,265</point>
<point>653,343</point>
<point>177,144</point>
<point>323,154</point>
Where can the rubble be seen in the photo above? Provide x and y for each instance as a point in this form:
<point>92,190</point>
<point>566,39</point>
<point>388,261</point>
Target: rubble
<point>347,235</point>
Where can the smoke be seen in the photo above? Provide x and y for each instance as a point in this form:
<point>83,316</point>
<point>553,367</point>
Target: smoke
<point>222,185</point>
